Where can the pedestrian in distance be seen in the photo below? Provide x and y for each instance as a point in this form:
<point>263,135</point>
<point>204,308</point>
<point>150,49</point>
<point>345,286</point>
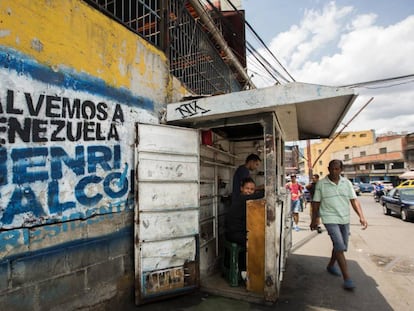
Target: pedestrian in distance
<point>311,188</point>
<point>296,192</point>
<point>332,199</point>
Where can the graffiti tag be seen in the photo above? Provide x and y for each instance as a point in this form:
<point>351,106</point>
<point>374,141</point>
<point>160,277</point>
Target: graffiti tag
<point>191,109</point>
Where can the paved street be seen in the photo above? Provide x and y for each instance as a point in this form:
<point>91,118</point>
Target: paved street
<point>381,262</point>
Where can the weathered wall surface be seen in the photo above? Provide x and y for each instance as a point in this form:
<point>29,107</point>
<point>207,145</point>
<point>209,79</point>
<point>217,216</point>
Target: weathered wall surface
<point>72,85</point>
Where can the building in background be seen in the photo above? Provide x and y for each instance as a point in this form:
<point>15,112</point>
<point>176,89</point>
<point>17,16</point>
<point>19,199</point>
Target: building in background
<point>409,151</point>
<point>384,160</point>
<point>321,151</point>
<point>292,160</point>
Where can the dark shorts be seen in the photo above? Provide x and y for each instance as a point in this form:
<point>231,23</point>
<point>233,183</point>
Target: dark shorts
<point>339,235</point>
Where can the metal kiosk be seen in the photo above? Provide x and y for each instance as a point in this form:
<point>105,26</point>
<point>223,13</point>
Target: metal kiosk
<point>183,183</point>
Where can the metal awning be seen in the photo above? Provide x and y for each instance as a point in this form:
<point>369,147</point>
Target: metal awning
<point>304,111</point>
<point>407,175</point>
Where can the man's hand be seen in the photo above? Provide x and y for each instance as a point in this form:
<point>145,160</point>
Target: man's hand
<point>363,222</point>
<point>313,225</point>
<point>315,208</point>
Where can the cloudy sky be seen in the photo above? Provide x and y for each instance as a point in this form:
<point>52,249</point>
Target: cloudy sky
<point>343,42</point>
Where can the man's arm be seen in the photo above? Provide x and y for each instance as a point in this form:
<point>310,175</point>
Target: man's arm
<point>357,208</point>
<point>257,195</point>
<point>315,210</point>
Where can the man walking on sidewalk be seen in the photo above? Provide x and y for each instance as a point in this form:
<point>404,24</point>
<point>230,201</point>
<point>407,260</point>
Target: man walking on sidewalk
<point>332,197</point>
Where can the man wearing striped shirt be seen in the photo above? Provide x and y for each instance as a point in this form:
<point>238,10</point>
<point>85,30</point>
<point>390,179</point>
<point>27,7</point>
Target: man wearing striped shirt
<point>333,196</point>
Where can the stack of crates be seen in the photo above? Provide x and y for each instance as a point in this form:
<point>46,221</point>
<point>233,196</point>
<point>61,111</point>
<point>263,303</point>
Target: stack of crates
<point>230,262</point>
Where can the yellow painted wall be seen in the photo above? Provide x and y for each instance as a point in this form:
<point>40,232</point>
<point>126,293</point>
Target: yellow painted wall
<point>343,141</point>
<point>73,84</point>
<point>71,34</point>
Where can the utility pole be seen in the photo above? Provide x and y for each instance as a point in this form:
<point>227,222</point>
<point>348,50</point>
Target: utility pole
<point>309,159</point>
<point>343,128</point>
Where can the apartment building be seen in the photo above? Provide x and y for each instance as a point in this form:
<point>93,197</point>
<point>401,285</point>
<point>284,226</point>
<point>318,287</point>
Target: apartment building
<point>409,151</point>
<point>292,160</point>
<point>321,152</point>
<point>382,160</point>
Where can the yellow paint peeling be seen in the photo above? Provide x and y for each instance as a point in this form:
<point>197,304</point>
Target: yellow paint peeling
<point>72,34</point>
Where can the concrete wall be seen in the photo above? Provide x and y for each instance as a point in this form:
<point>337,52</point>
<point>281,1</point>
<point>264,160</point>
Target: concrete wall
<point>72,85</point>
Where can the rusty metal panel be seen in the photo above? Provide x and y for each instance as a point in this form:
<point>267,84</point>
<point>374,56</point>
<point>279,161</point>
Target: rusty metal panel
<point>167,139</point>
<point>168,224</point>
<point>154,167</point>
<point>166,196</point>
<point>165,254</point>
<point>166,211</point>
<point>164,280</point>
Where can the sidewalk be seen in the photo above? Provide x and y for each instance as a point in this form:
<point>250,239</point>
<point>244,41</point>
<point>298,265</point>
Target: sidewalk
<point>306,285</point>
<point>301,237</point>
<point>201,301</point>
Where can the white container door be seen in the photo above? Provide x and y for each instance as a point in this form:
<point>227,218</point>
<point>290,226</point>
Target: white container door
<point>166,211</point>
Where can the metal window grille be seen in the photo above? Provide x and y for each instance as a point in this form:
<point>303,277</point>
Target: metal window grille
<point>169,25</point>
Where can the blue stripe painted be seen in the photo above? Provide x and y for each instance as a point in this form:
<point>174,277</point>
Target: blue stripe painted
<point>13,60</point>
<point>126,232</point>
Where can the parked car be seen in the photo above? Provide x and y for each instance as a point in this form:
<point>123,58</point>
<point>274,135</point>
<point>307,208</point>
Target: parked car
<point>366,187</point>
<point>407,183</point>
<point>357,189</point>
<point>400,201</point>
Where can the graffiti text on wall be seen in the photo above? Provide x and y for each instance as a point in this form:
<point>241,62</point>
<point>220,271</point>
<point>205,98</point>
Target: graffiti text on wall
<point>60,157</point>
<point>30,166</point>
<point>64,119</point>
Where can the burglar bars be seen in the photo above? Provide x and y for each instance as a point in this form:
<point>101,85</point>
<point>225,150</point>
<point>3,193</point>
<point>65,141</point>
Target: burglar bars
<point>194,59</point>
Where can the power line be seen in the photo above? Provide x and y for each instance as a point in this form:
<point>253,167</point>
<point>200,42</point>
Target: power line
<point>261,41</point>
<point>387,86</point>
<point>363,84</point>
<point>343,128</point>
<point>265,64</point>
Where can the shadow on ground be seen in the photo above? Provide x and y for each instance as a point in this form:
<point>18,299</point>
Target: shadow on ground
<point>306,286</point>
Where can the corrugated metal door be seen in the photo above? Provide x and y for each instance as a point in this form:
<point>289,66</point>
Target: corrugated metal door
<point>166,211</point>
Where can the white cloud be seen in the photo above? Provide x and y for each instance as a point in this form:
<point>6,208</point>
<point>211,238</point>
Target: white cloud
<point>316,30</point>
<point>335,47</point>
<point>363,21</point>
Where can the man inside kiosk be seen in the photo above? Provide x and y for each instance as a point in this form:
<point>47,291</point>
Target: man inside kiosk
<point>236,218</point>
<point>243,171</point>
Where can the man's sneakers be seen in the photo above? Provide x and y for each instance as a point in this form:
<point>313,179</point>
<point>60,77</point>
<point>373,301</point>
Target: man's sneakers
<point>319,229</point>
<point>296,228</point>
<point>333,270</point>
<point>349,285</point>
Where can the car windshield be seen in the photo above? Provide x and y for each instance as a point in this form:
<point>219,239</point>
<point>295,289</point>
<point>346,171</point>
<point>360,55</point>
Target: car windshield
<point>407,194</point>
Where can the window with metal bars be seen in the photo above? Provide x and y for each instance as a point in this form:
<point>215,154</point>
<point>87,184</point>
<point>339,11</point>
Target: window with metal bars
<point>169,25</point>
